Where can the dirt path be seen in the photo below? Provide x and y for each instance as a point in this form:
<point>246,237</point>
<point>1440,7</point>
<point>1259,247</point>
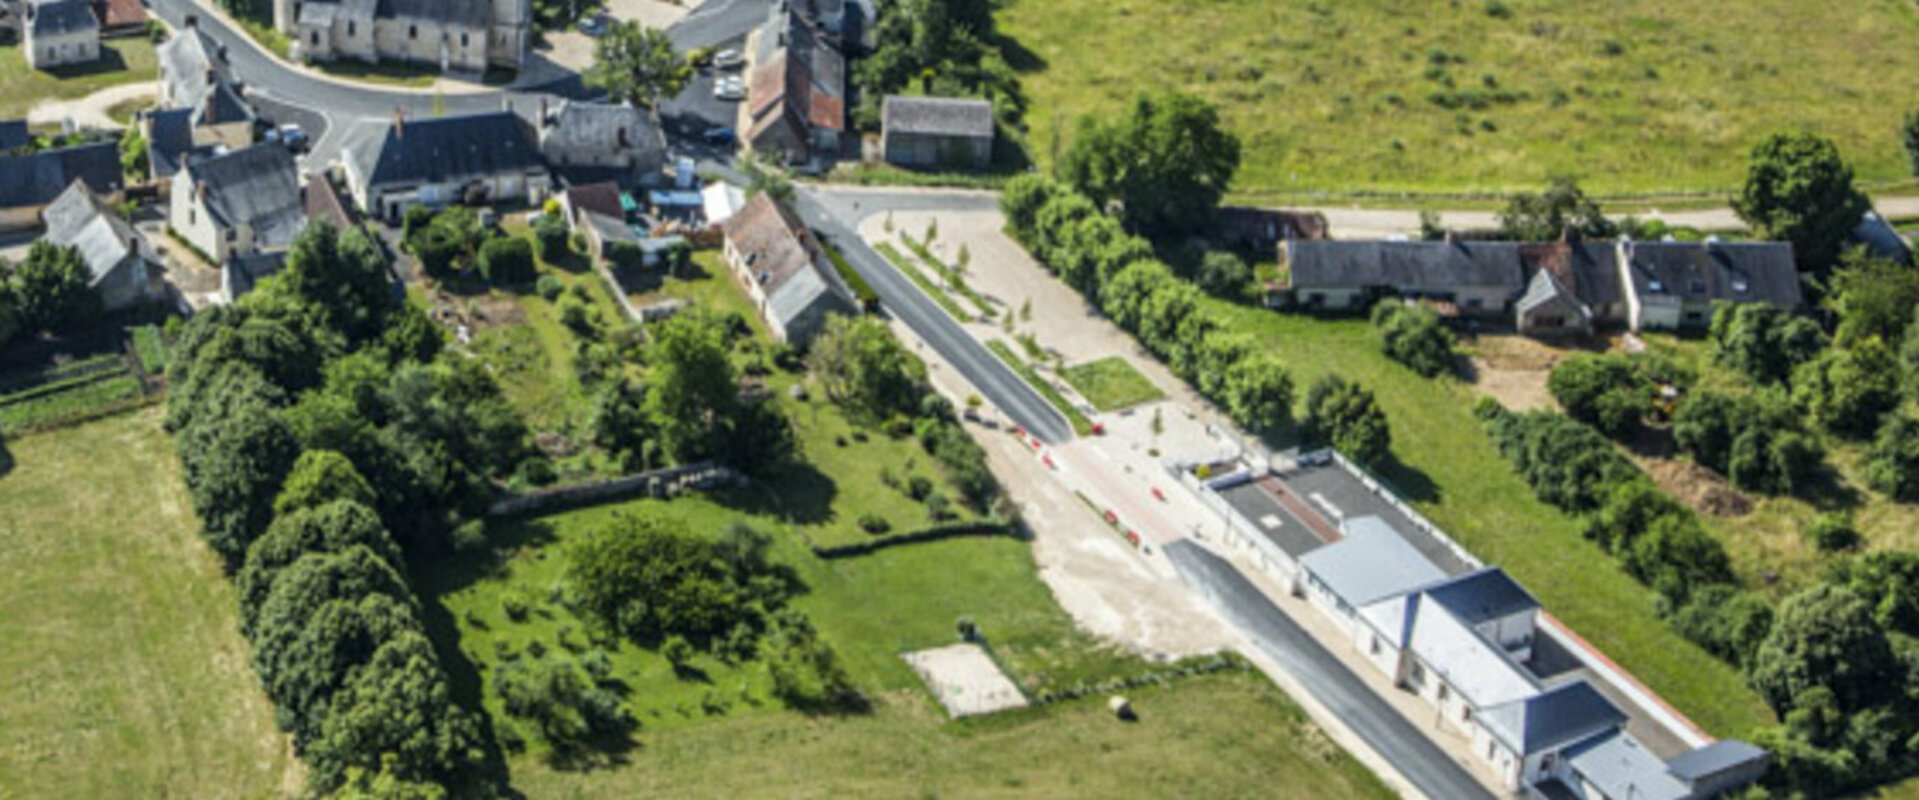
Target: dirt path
<point>91,111</point>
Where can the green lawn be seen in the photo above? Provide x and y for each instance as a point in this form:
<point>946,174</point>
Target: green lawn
<point>1452,472</point>
<point>1081,424</point>
<point>1111,384</point>
<point>124,674</point>
<point>919,279</point>
<point>128,60</point>
<point>871,609</point>
<point>707,284</point>
<point>841,478</point>
<point>1337,98</point>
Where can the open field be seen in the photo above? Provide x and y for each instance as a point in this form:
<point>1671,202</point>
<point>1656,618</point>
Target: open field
<point>1111,384</point>
<point>1451,470</point>
<point>121,61</point>
<point>1231,735</point>
<point>1383,97</point>
<point>124,675</point>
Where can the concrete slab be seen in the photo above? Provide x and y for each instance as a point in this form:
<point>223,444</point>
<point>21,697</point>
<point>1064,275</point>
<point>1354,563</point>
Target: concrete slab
<point>965,680</point>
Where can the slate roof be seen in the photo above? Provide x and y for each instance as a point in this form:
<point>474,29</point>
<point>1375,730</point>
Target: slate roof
<point>451,150</point>
<point>601,126</point>
<point>1710,270</point>
<point>258,187</point>
<point>1561,715</point>
<point>169,140</point>
<point>1587,270</point>
<point>243,272</point>
<point>1371,564</point>
<point>79,220</point>
<point>938,116</point>
<point>466,13</point>
<point>35,180</point>
<point>14,135</point>
<point>62,17</point>
<point>1715,758</point>
<point>197,79</point>
<point>1404,266</point>
<point>1482,595</point>
<point>782,257</point>
<point>1620,766</point>
<point>1543,289</point>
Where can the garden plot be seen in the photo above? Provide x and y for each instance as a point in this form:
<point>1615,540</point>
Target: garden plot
<point>965,680</point>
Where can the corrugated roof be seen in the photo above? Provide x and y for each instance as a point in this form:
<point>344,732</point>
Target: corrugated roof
<point>1561,715</point>
<point>452,150</point>
<point>1482,595</point>
<point>258,187</point>
<point>1371,564</point>
<point>1620,766</point>
<point>62,17</point>
<point>1715,758</point>
<point>938,116</point>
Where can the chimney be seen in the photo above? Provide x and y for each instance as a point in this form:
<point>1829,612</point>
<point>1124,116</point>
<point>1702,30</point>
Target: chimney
<point>193,20</point>
<point>200,191</point>
<point>399,123</point>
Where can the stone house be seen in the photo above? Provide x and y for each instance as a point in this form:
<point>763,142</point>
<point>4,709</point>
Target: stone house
<point>61,32</point>
<point>489,158</point>
<point>933,132</point>
<point>117,256</point>
<point>452,35</point>
<point>784,270</point>
<point>795,108</point>
<point>605,135</point>
<point>243,203</point>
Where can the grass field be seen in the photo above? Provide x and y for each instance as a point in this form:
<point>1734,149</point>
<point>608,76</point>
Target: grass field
<point>128,60</point>
<point>124,675</point>
<point>1633,97</point>
<point>1111,384</point>
<point>702,735</point>
<point>1217,736</point>
<point>1454,474</point>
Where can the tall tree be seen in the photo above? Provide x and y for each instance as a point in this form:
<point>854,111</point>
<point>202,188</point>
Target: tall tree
<point>1826,638</point>
<point>53,290</point>
<point>1544,216</point>
<point>1873,297</point>
<point>694,389</point>
<point>862,366</point>
<point>1799,190</point>
<point>1167,162</point>
<point>638,65</point>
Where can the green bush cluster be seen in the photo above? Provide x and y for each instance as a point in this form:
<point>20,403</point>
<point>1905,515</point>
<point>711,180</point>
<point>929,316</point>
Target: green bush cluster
<point>1756,440</point>
<point>1413,335</point>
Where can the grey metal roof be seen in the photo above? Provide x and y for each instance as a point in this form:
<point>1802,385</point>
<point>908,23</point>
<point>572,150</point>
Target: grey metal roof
<point>1430,267</point>
<point>1484,594</point>
<point>451,150</point>
<point>604,126</point>
<point>62,17</point>
<point>1561,715</point>
<point>1371,564</point>
<point>1706,271</point>
<point>938,116</point>
<point>466,13</point>
<point>36,179</point>
<point>610,229</point>
<point>79,220</point>
<point>259,187</point>
<point>1715,758</point>
<point>1620,766</point>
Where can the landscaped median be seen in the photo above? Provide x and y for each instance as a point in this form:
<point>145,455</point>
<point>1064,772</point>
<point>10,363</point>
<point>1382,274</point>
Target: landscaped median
<point>1081,425</point>
<point>919,279</point>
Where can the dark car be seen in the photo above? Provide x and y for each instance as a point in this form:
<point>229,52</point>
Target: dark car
<point>719,136</point>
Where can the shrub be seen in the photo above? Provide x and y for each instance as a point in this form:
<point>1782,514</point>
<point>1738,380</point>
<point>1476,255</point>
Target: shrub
<point>550,237</point>
<point>919,487</point>
<point>1347,417</point>
<point>1892,462</point>
<point>507,261</point>
<point>1833,532</point>
<point>1414,336</point>
<point>874,524</point>
<point>625,255</point>
<point>1567,464</point>
<point>938,508</point>
<point>549,287</point>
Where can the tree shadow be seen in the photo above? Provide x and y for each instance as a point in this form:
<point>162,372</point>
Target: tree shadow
<point>1022,59</point>
<point>800,495</point>
<point>691,674</point>
<point>1827,490</point>
<point>607,751</point>
<point>1406,481</point>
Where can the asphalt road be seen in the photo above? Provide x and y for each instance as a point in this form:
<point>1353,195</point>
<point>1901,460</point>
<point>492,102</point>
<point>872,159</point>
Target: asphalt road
<point>997,382</point>
<point>1324,677</point>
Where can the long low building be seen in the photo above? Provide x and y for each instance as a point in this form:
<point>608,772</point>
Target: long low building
<point>490,157</point>
<point>1467,639</point>
<point>1568,286</point>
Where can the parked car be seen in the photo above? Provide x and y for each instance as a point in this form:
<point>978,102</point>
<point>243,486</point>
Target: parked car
<point>729,88</point>
<point>728,59</point>
<point>594,26</point>
<point>295,138</point>
<point>719,137</point>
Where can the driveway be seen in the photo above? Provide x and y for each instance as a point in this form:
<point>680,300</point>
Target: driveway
<point>1328,680</point>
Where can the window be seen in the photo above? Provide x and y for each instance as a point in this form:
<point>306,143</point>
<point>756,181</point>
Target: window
<point>463,40</point>
<point>1443,693</point>
<point>316,38</point>
<point>1419,674</point>
<point>412,31</point>
<point>1375,647</point>
<point>1491,750</point>
<point>352,28</point>
<point>1466,715</point>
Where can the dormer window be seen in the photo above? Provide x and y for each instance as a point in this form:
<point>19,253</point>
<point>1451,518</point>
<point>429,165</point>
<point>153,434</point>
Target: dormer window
<point>1739,284</point>
<point>1655,285</point>
<point>1697,286</point>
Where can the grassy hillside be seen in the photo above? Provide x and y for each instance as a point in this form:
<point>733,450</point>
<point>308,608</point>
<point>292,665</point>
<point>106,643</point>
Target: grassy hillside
<point>1456,476</point>
<point>1632,96</point>
<point>124,676</point>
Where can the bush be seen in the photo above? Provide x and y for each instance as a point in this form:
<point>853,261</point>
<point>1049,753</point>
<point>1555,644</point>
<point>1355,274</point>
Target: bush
<point>874,524</point>
<point>1567,464</point>
<point>549,287</point>
<point>1833,532</point>
<point>1892,462</point>
<point>1348,418</point>
<point>918,487</point>
<point>1414,336</point>
<point>625,256</point>
<point>507,261</point>
<point>550,237</point>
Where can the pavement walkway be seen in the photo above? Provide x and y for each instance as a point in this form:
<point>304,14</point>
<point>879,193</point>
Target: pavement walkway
<point>91,111</point>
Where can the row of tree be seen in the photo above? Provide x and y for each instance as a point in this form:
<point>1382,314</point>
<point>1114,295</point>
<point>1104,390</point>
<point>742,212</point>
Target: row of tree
<point>322,437</point>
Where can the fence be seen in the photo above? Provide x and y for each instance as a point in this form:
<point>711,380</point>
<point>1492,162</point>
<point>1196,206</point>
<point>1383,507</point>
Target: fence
<point>657,483</point>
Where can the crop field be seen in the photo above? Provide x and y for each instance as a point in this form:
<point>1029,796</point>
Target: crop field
<point>1392,97</point>
<point>124,674</point>
<point>72,391</point>
<point>1448,467</point>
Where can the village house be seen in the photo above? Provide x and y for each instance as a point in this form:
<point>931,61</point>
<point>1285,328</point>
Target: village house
<point>475,159</point>
<point>795,108</point>
<point>606,136</point>
<point>31,182</point>
<point>194,79</point>
<point>784,270</point>
<point>117,256</point>
<point>121,17</point>
<point>243,203</point>
<point>937,132</point>
<point>1470,278</point>
<point>61,32</point>
<point>452,35</point>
